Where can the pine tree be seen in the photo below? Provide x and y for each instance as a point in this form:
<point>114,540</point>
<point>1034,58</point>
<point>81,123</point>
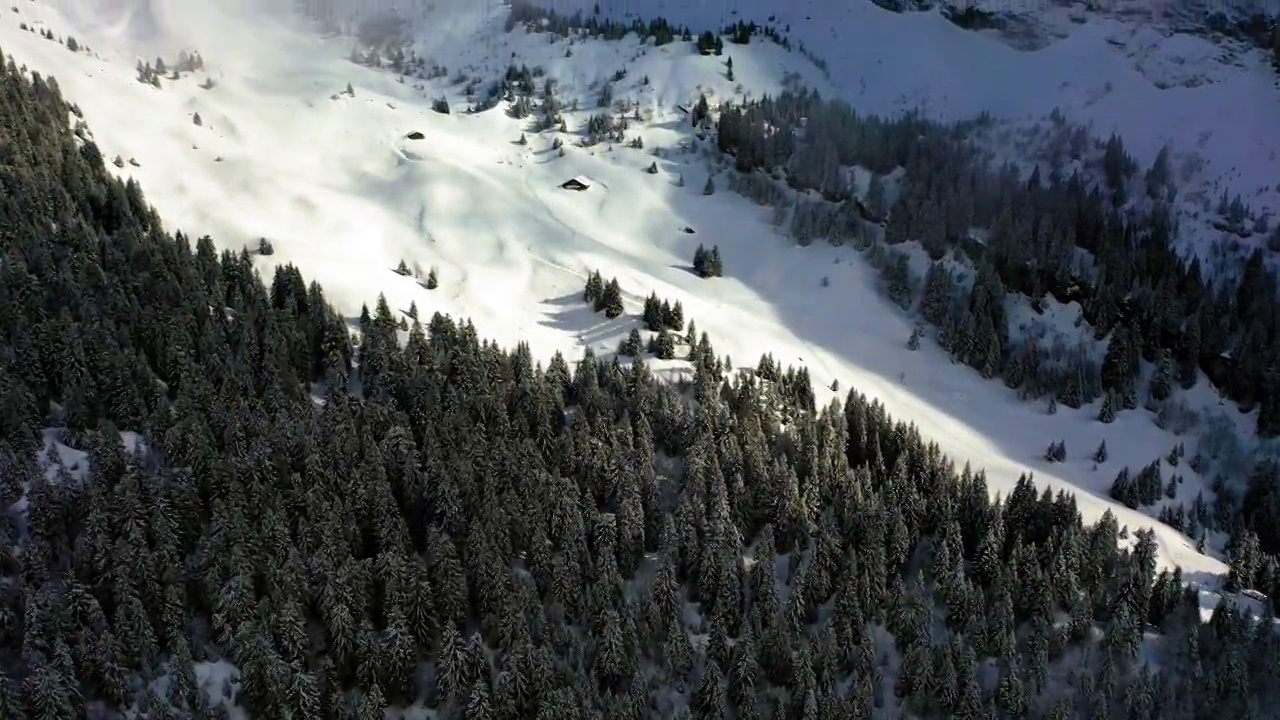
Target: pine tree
<point>594,289</point>
<point>709,700</point>
<point>710,187</point>
<point>1107,413</point>
<point>1159,176</point>
<point>611,299</point>
<point>653,316</point>
<point>714,265</point>
<point>700,261</point>
<point>672,316</point>
<point>1162,378</point>
<point>663,345</point>
<point>632,345</point>
<point>913,342</point>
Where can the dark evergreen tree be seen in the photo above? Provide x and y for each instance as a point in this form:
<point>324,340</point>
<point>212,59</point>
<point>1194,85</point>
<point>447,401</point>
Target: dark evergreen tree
<point>594,290</point>
<point>611,299</point>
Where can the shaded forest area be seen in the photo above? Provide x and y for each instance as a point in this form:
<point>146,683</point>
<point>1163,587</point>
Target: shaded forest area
<point>452,524</point>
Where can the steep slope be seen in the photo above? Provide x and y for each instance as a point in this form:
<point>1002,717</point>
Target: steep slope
<point>1217,110</point>
<point>330,179</point>
<point>476,537</point>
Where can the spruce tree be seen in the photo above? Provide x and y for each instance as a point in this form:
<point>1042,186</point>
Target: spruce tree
<point>611,299</point>
<point>653,313</point>
<point>632,345</point>
<point>594,289</point>
<point>700,261</point>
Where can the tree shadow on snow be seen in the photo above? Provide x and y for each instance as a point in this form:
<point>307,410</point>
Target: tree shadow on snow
<point>572,315</point>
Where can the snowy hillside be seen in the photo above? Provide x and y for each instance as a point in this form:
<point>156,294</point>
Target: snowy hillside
<point>1216,106</point>
<point>265,142</point>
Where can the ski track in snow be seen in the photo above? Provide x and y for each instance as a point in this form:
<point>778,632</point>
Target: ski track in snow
<point>342,198</point>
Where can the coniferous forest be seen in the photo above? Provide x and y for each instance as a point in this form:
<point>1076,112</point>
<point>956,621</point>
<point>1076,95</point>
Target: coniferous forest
<point>1091,227</point>
<point>454,525</point>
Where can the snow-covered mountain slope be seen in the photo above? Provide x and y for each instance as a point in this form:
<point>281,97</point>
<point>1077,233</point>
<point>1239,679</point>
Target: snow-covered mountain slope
<point>282,152</point>
<point>1215,104</point>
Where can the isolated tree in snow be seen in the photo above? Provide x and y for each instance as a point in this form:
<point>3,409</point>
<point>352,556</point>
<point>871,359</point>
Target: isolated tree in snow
<point>673,316</point>
<point>1100,455</point>
<point>653,168</point>
<point>433,280</point>
<point>715,267</point>
<point>594,288</point>
<point>1107,413</point>
<point>612,299</point>
<point>652,316</point>
<point>632,345</point>
<point>710,187</point>
<point>701,111</point>
<point>706,263</point>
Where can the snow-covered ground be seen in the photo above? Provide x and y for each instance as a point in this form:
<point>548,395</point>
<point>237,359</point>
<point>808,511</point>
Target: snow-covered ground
<point>1216,104</point>
<point>332,181</point>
